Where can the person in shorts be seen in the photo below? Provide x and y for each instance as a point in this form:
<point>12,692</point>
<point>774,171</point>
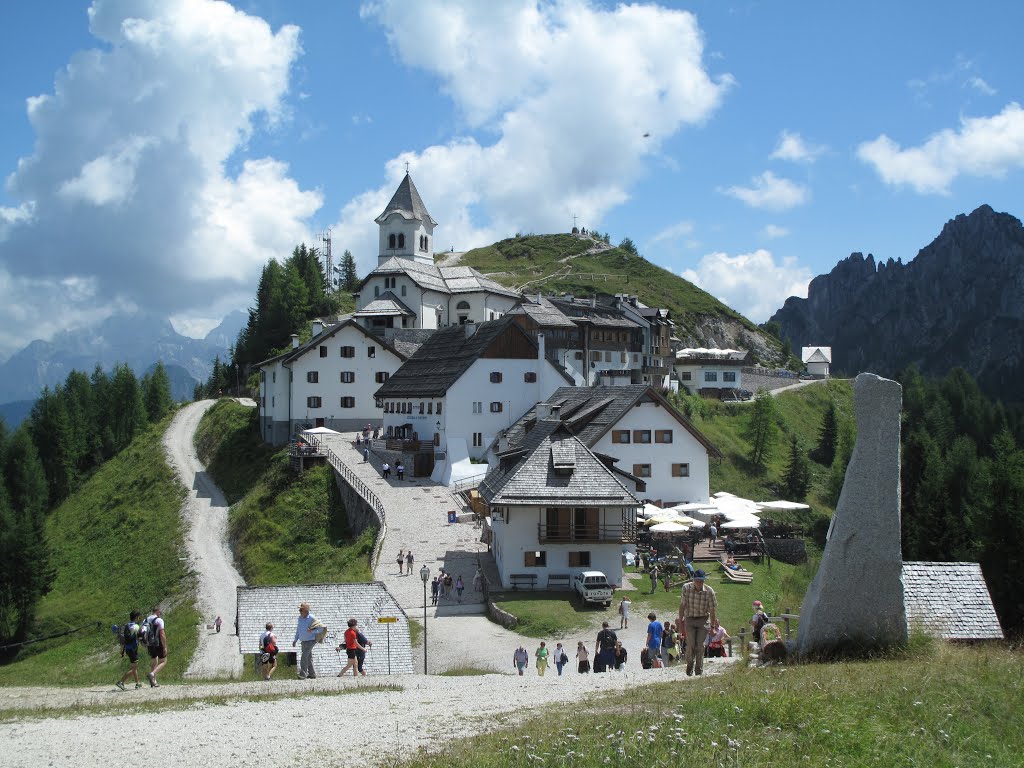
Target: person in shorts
<point>268,652</point>
<point>352,647</point>
<point>130,648</point>
<point>365,642</point>
<point>158,652</point>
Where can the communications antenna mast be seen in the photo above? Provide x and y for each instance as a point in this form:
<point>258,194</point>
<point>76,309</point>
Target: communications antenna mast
<point>324,238</point>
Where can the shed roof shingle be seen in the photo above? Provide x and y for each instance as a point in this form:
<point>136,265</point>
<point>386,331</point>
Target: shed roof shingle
<point>950,600</point>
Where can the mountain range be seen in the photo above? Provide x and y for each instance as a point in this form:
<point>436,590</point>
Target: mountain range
<point>138,339</point>
<point>958,303</point>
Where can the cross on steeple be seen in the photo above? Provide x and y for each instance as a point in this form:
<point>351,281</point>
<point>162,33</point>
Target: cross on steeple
<point>407,166</point>
<point>574,219</point>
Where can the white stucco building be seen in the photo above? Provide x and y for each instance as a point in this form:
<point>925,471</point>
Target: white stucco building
<point>818,360</point>
<point>636,428</point>
<point>329,381</point>
<point>461,388</point>
<point>712,370</point>
<point>557,509</point>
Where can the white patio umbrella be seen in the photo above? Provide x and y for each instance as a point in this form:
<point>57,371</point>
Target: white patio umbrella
<point>669,527</point>
<point>782,505</point>
<point>652,510</point>
<point>692,522</point>
<point>692,506</point>
<point>320,431</point>
<point>664,517</point>
<point>743,522</point>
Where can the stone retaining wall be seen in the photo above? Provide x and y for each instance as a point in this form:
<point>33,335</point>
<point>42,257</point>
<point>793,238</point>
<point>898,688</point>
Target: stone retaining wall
<point>792,551</point>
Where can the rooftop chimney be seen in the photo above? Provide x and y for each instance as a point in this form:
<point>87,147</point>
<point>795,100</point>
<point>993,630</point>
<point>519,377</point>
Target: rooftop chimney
<point>556,411</point>
<point>469,328</point>
<point>295,341</point>
<point>503,443</point>
<point>543,411</point>
<point>318,327</point>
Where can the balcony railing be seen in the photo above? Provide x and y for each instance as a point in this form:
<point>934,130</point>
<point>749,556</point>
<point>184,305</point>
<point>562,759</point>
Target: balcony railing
<point>620,532</point>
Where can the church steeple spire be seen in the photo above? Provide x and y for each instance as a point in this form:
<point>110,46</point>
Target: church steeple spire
<point>406,228</point>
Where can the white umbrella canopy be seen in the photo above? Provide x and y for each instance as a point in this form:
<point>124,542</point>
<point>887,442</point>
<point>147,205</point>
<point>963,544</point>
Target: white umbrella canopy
<point>652,510</point>
<point>664,517</point>
<point>782,505</point>
<point>690,521</point>
<point>692,506</point>
<point>320,431</point>
<point>669,527</point>
<point>743,522</point>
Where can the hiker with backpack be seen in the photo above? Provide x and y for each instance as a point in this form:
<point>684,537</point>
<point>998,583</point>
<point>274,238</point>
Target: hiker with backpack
<point>268,652</point>
<point>152,634</point>
<point>128,636</point>
<point>352,648</point>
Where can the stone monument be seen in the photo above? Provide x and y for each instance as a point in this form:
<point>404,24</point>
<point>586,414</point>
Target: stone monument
<point>855,603</point>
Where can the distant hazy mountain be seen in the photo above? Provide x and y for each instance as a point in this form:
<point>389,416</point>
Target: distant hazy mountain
<point>960,302</point>
<point>140,340</point>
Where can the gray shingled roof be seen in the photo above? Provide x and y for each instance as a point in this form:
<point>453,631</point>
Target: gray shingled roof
<point>545,314</point>
<point>407,202</point>
<point>344,321</point>
<point>408,340</point>
<point>387,304</point>
<point>591,411</point>
<point>444,357</point>
<point>333,605</point>
<point>450,280</point>
<point>950,600</point>
<point>558,470</point>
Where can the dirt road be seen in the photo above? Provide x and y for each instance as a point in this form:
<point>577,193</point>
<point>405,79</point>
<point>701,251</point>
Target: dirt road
<point>205,514</point>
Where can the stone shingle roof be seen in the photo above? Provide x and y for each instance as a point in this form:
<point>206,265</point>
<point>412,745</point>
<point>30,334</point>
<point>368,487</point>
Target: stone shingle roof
<point>407,202</point>
<point>333,605</point>
<point>950,600</point>
<point>444,357</point>
<point>545,314</point>
<point>448,280</point>
<point>591,411</point>
<point>408,340</point>
<point>559,470</point>
<point>344,321</point>
<point>387,304</point>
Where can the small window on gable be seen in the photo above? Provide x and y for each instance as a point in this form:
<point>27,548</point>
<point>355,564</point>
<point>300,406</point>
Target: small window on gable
<point>403,290</point>
<point>642,470</point>
<point>323,351</point>
<point>663,436</point>
<point>312,377</point>
<point>530,377</point>
<point>641,435</point>
<point>620,436</point>
<point>348,351</point>
<point>680,470</point>
<point>371,351</point>
<point>495,377</point>
<point>376,291</point>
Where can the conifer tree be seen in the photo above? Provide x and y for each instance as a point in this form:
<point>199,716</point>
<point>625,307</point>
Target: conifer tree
<point>825,452</point>
<point>797,477</point>
<point>80,405</point>
<point>156,393</point>
<point>105,408</point>
<point>51,433</point>
<point>349,277</point>
<point>130,414</point>
<point>762,429</point>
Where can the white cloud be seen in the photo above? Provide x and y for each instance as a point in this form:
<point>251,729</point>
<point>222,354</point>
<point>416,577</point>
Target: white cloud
<point>792,147</point>
<point>128,187</point>
<point>983,146</point>
<point>773,231</point>
<point>770,192</point>
<point>675,232</point>
<point>567,90</point>
<point>751,283</point>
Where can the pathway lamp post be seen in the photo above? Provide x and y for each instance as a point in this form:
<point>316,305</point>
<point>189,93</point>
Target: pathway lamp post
<point>424,577</point>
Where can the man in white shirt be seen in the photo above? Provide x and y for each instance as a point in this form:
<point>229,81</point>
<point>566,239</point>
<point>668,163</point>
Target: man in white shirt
<point>157,651</point>
<point>306,633</point>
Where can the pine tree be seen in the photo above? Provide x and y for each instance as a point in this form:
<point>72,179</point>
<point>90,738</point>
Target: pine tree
<point>797,477</point>
<point>825,452</point>
<point>51,433</point>
<point>130,415</point>
<point>762,429</point>
<point>156,393</point>
<point>349,277</point>
<point>844,451</point>
<point>80,405</point>
<point>105,408</point>
<point>1001,560</point>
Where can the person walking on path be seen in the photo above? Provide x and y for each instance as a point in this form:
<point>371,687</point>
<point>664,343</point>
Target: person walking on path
<point>624,607</point>
<point>668,645</point>
<point>366,453</point>
<point>604,648</point>
<point>400,469</point>
<point>385,470</point>
<point>352,646</point>
<point>448,584</point>
<point>654,632</point>
<point>306,633</point>
<point>268,652</point>
<point>409,560</point>
<point>435,587</point>
<point>582,658</point>
<point>130,648</point>
<point>400,560</point>
<point>477,580</point>
<point>365,644</point>
<point>520,659</point>
<point>542,658</point>
<point>620,656</point>
<point>157,646</point>
<point>696,606</point>
<point>713,533</point>
<point>560,658</point>
<point>758,620</point>
<point>459,586</point>
<point>654,579</point>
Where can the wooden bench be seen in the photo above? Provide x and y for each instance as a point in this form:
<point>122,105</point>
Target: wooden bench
<point>558,581</point>
<point>517,579</point>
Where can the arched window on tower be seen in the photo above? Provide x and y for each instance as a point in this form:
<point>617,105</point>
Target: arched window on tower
<point>401,241</point>
<point>391,241</point>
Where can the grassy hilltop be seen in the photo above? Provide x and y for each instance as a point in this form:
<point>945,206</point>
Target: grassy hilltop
<point>561,263</point>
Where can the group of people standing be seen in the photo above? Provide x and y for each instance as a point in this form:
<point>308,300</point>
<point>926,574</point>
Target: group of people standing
<point>152,635</point>
<point>443,584</point>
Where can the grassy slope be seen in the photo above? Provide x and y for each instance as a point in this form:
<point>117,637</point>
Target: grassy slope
<point>116,545</point>
<point>280,529</point>
<point>939,706</point>
<point>538,256</point>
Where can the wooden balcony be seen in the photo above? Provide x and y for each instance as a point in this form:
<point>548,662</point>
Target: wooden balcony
<point>624,533</point>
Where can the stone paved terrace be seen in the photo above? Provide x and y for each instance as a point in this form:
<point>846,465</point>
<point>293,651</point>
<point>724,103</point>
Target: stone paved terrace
<point>417,512</point>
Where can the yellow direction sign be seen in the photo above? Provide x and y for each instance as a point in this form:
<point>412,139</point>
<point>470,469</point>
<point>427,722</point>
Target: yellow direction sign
<point>387,620</point>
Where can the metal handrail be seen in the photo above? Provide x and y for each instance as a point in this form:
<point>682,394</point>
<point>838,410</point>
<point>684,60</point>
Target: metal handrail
<point>468,482</point>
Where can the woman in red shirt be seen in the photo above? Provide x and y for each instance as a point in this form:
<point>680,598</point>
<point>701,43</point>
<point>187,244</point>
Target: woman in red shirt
<point>351,646</point>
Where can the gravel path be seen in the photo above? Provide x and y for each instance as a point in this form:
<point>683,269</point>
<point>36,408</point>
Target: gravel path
<point>369,728</point>
<point>205,512</point>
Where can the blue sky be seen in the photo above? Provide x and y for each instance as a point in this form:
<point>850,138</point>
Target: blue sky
<point>157,153</point>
